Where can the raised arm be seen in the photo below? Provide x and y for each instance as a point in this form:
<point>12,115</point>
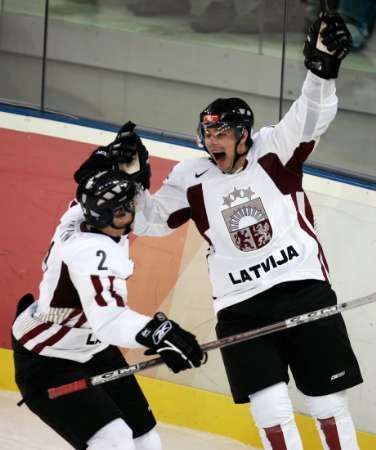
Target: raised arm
<point>328,42</point>
<point>161,213</point>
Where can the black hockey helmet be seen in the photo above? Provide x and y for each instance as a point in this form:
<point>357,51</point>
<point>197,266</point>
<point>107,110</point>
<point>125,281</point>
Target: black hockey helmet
<point>102,194</point>
<point>226,113</point>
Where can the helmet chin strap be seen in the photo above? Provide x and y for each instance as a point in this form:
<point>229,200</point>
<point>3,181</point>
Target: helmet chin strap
<point>237,155</point>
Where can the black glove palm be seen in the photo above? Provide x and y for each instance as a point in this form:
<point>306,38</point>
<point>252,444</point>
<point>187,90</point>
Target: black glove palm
<point>177,347</point>
<point>327,44</point>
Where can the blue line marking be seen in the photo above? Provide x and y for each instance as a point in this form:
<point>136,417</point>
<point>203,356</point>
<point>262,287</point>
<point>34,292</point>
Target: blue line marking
<point>162,137</point>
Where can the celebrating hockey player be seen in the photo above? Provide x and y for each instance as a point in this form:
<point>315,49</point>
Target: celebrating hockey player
<point>82,315</point>
<point>265,260</point>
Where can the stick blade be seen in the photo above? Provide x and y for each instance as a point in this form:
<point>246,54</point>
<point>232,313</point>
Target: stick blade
<point>68,388</point>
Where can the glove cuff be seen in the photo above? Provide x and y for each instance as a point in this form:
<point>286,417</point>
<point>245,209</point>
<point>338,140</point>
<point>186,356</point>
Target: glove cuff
<point>324,66</point>
<point>154,331</point>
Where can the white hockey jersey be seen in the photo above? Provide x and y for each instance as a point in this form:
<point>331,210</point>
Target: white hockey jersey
<point>82,304</point>
<point>258,222</point>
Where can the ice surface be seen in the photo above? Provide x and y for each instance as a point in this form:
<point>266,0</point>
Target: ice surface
<point>20,429</point>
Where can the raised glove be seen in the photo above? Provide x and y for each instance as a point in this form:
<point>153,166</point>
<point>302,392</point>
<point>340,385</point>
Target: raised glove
<point>131,155</point>
<point>177,347</point>
<point>126,153</point>
<point>127,142</point>
<point>99,160</point>
<point>327,44</point>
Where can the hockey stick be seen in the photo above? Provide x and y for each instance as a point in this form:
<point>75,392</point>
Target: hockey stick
<point>85,383</point>
<point>323,5</point>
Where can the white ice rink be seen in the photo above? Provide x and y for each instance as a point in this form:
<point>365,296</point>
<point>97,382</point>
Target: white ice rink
<point>20,429</point>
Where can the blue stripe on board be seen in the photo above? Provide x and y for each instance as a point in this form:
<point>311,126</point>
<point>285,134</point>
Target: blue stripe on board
<point>91,123</point>
<point>340,178</point>
<point>162,137</point>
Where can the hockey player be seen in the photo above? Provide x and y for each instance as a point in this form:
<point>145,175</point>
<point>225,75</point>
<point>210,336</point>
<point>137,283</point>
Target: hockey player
<point>81,315</point>
<point>265,260</point>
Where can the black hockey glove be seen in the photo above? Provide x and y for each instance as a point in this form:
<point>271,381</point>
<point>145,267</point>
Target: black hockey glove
<point>177,347</point>
<point>126,144</point>
<point>126,153</point>
<point>131,155</point>
<point>327,44</point>
<point>99,160</point>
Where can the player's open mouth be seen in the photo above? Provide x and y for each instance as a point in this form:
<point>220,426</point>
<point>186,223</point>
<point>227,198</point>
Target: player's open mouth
<point>219,156</point>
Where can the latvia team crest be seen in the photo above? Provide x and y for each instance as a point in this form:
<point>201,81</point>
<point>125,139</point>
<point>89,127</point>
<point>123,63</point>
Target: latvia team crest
<point>246,220</point>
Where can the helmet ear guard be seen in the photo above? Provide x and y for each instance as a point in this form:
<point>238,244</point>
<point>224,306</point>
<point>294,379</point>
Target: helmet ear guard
<point>102,194</point>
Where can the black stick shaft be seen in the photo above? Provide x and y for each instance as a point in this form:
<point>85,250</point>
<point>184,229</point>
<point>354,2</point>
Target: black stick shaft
<point>85,383</point>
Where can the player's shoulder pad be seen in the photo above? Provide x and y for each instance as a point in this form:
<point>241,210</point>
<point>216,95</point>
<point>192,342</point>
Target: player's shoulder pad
<point>263,142</point>
<point>97,254</point>
<point>69,224</point>
<point>74,211</point>
<point>264,131</point>
<point>184,172</point>
<point>263,134</point>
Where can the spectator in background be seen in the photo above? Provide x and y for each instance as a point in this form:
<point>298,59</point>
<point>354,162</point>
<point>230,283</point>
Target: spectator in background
<point>359,16</point>
<point>245,16</point>
<point>313,10</point>
<point>158,7</point>
<point>236,16</point>
<point>257,16</point>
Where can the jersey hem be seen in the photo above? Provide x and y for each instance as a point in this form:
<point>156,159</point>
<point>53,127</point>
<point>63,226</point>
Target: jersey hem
<point>225,302</point>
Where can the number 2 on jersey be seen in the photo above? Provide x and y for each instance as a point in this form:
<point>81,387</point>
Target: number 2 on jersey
<point>102,254</point>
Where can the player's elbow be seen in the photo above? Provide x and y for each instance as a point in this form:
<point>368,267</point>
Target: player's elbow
<point>103,333</point>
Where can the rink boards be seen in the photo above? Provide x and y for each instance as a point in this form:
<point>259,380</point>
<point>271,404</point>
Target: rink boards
<point>38,158</point>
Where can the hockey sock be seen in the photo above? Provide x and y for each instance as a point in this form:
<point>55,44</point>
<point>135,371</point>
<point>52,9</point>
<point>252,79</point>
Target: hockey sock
<point>333,421</point>
<point>273,414</point>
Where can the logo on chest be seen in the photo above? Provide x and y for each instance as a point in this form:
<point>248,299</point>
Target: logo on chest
<point>246,220</point>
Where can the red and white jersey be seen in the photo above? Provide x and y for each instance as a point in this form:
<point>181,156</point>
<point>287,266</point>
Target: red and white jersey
<point>258,222</point>
<point>82,304</point>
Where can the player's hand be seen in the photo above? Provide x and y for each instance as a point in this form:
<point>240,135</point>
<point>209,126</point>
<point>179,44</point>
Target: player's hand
<point>177,347</point>
<point>99,160</point>
<point>126,153</point>
<point>126,145</point>
<point>130,155</point>
<point>327,44</point>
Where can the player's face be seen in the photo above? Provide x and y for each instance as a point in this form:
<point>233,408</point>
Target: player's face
<point>122,218</point>
<point>221,146</point>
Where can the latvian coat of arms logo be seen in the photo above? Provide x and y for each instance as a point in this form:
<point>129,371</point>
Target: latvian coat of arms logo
<point>246,221</point>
